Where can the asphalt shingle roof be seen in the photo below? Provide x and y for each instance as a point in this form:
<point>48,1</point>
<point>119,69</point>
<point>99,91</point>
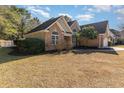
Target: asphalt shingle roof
<point>115,32</point>
<point>99,26</point>
<point>44,25</point>
<point>70,23</point>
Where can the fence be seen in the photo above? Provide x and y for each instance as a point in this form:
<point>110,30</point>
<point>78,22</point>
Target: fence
<point>6,43</point>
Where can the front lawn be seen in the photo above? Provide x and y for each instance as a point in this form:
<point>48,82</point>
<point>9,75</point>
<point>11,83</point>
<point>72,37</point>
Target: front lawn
<point>84,69</point>
<point>6,57</point>
<point>120,46</point>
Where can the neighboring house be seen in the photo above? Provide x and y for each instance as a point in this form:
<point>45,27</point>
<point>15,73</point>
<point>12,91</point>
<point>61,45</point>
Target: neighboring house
<point>112,38</point>
<point>6,43</point>
<point>122,37</point>
<point>116,35</point>
<point>122,34</point>
<point>103,38</point>
<point>75,28</point>
<point>55,32</point>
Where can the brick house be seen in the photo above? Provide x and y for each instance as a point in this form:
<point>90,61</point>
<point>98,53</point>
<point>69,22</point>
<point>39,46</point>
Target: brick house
<point>59,33</point>
<point>55,32</point>
<point>116,33</point>
<point>113,36</point>
<point>75,28</point>
<point>104,35</point>
<point>122,34</point>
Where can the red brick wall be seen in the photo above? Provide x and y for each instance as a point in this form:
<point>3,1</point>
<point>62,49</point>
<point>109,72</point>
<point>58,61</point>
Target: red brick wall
<point>89,42</point>
<point>48,37</point>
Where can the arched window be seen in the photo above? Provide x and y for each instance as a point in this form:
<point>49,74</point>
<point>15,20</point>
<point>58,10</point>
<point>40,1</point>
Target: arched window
<point>54,38</point>
<point>55,33</point>
<point>74,30</point>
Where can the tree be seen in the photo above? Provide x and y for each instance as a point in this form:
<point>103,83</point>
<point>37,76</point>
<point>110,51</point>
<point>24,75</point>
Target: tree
<point>8,19</point>
<point>14,22</point>
<point>32,23</point>
<point>25,25</point>
<point>88,32</point>
<point>23,21</point>
<point>67,18</point>
<point>20,11</point>
<point>21,28</point>
<point>26,22</point>
<point>77,35</point>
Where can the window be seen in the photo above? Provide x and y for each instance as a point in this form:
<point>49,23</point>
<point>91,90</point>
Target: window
<point>54,38</point>
<point>65,31</point>
<point>74,30</point>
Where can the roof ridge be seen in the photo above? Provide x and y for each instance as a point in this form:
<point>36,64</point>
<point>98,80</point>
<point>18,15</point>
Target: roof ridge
<point>96,22</point>
<point>44,25</point>
<point>99,26</point>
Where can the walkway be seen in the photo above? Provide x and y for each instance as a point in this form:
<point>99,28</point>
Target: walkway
<point>118,48</point>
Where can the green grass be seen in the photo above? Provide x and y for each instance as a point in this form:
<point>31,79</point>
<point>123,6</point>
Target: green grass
<point>5,51</point>
<point>6,57</point>
<point>120,46</point>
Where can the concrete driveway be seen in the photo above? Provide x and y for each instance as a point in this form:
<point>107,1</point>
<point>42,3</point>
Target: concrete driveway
<point>102,49</point>
<point>118,48</point>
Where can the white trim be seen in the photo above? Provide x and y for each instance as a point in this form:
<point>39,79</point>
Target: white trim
<point>75,22</point>
<point>55,36</point>
<point>60,26</point>
<point>67,24</point>
<point>72,24</point>
<point>64,21</point>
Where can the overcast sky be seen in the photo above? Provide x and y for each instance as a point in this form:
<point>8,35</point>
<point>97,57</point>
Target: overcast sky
<point>83,14</point>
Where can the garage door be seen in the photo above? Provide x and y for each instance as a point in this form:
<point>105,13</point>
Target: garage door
<point>105,42</point>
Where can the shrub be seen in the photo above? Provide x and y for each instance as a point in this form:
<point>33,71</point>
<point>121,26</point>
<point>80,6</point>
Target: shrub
<point>88,32</point>
<point>120,41</point>
<point>110,43</point>
<point>30,46</point>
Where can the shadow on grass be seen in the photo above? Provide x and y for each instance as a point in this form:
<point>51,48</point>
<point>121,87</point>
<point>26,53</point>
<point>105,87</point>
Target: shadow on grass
<point>6,54</point>
<point>58,52</point>
<point>84,51</point>
<point>9,58</point>
<point>94,50</point>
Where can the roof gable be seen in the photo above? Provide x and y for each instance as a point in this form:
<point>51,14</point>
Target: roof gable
<point>64,24</point>
<point>44,25</point>
<point>99,26</point>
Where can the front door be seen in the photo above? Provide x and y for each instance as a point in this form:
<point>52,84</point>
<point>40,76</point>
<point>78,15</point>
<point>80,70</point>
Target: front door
<point>68,42</point>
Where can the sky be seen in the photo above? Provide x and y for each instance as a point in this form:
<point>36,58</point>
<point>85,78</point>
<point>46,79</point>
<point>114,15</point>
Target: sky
<point>84,14</point>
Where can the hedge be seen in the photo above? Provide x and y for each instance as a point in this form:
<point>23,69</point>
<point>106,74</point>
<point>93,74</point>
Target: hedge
<point>30,46</point>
